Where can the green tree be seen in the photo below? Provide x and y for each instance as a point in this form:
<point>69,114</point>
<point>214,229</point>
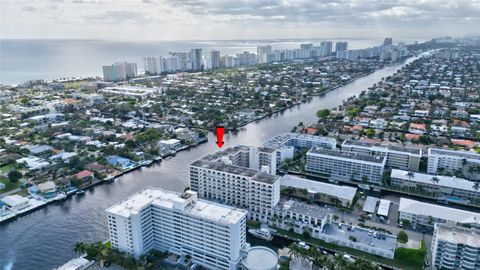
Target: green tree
<point>370,133</point>
<point>402,237</point>
<point>323,114</point>
<point>14,176</point>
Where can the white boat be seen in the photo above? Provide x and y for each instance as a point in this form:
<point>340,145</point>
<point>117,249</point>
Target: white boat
<point>59,197</point>
<point>262,233</point>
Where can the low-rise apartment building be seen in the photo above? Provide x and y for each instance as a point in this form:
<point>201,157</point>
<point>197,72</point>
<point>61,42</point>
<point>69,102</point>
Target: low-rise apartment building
<point>320,191</point>
<point>345,166</point>
<point>442,161</point>
<point>405,158</point>
<point>426,214</point>
<point>440,186</point>
<point>287,143</point>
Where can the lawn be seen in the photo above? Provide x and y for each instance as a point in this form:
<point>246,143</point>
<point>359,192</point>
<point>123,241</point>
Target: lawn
<point>6,168</point>
<point>8,185</point>
<point>413,256</point>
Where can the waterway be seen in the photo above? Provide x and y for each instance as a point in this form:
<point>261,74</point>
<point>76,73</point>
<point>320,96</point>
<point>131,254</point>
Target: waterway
<point>44,239</point>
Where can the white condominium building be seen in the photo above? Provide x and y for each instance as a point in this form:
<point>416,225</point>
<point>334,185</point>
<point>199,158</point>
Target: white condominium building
<point>397,157</point>
<point>345,166</point>
<point>287,143</point>
<point>426,214</point>
<point>238,176</point>
<point>444,160</point>
<point>213,235</point>
<point>443,187</point>
<point>455,247</point>
<point>300,141</point>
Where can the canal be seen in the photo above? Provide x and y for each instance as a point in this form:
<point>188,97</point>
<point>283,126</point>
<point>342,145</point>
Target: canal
<point>44,239</point>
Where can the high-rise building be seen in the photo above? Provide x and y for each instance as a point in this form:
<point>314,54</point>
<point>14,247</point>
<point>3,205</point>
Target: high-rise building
<point>306,46</point>
<point>130,69</point>
<point>262,53</point>
<point>246,58</point>
<point>326,48</point>
<point>349,54</point>
<point>196,58</point>
<point>213,235</point>
<point>341,46</point>
<point>455,247</point>
<point>182,60</point>
<point>213,59</point>
<point>150,65</point>
<point>114,73</point>
<point>239,176</point>
<point>227,61</point>
<point>388,41</point>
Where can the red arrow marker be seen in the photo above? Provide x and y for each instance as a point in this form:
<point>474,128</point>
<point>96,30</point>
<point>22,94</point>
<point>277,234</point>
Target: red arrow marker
<point>220,130</point>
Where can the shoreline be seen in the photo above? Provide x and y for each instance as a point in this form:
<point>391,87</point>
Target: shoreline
<point>107,180</point>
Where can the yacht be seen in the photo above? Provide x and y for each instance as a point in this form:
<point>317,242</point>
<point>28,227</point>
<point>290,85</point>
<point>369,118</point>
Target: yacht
<point>262,233</point>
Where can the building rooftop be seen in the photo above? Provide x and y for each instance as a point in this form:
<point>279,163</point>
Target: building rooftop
<point>370,204</point>
<point>226,152</point>
<point>169,199</point>
<point>379,146</point>
<point>343,192</point>
<point>260,258</point>
<point>14,200</point>
<point>443,181</point>
<point>285,138</point>
<point>75,264</point>
<point>305,209</point>
<point>460,154</point>
<point>362,235</point>
<point>458,235</point>
<point>346,155</point>
<point>220,166</point>
<point>266,178</point>
<point>438,211</point>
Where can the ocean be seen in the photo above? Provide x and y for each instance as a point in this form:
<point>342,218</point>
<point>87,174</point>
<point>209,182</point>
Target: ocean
<point>22,60</point>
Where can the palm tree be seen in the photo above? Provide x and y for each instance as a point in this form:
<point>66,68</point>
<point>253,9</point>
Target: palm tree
<point>79,248</point>
<point>476,185</point>
<point>298,251</point>
<point>435,179</point>
<point>318,259</point>
<point>410,176</point>
<point>339,262</point>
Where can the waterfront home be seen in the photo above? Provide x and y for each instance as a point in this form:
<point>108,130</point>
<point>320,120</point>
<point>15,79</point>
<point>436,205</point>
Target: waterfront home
<point>99,169</point>
<point>85,176</point>
<point>120,162</point>
<point>47,189</point>
<point>168,145</point>
<point>15,202</point>
<point>65,156</point>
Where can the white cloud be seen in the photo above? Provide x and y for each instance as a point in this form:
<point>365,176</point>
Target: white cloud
<point>236,19</point>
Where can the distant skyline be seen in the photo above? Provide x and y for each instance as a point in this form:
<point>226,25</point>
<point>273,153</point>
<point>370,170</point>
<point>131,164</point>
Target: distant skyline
<point>236,20</point>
